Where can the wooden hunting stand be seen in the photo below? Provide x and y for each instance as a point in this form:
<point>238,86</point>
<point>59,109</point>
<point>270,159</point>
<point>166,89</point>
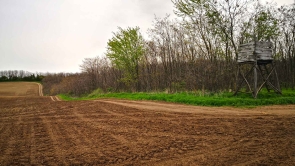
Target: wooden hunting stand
<point>257,57</point>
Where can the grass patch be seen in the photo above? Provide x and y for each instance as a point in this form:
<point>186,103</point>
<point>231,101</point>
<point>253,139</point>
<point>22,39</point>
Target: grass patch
<point>202,99</point>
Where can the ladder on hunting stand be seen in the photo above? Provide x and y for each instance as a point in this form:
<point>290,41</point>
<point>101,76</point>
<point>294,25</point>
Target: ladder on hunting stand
<point>256,58</point>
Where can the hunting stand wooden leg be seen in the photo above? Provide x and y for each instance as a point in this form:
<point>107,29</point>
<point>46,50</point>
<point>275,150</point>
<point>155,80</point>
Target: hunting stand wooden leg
<point>242,80</point>
<point>277,79</point>
<point>267,81</point>
<point>254,94</point>
<point>265,75</point>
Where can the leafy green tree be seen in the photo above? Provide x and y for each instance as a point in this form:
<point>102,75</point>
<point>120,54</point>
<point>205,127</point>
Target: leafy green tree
<point>216,22</point>
<point>125,51</point>
<point>262,25</point>
<point>266,25</point>
<point>3,78</point>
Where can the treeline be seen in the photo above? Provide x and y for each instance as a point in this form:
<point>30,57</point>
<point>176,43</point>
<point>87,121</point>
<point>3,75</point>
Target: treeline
<point>19,75</point>
<point>193,53</point>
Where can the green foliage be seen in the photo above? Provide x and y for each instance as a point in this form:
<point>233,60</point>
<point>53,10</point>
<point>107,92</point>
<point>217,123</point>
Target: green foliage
<point>95,93</point>
<point>67,97</point>
<point>3,78</point>
<point>187,7</point>
<point>125,50</point>
<point>204,98</point>
<point>266,25</point>
<point>263,25</point>
<point>31,78</point>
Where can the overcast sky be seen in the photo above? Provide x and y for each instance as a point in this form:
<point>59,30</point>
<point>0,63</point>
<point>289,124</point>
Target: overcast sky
<point>56,35</point>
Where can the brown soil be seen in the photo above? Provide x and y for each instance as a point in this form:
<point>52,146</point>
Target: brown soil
<point>40,131</point>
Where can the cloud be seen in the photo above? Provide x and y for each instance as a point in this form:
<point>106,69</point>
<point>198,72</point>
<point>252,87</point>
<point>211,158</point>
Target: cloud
<point>57,35</point>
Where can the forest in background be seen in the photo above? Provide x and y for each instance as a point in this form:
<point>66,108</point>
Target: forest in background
<point>20,75</point>
<point>195,52</point>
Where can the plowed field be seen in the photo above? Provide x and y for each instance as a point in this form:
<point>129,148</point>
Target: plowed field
<point>37,130</point>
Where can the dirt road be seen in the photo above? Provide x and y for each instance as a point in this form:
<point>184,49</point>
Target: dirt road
<point>36,130</point>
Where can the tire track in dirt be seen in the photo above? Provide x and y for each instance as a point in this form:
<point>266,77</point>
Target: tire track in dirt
<point>93,141</point>
<point>45,152</point>
<point>152,129</point>
<point>40,91</point>
<point>53,137</point>
<point>54,98</point>
<point>57,99</point>
<point>79,144</point>
<point>33,147</point>
<point>51,97</point>
<point>23,151</point>
<point>6,141</point>
<point>150,137</point>
<point>171,108</point>
<point>203,149</point>
<point>19,137</point>
<point>120,140</point>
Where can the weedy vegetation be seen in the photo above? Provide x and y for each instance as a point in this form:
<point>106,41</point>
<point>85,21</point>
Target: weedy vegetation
<point>199,98</point>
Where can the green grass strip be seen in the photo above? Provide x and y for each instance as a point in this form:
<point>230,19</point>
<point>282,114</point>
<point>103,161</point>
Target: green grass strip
<point>201,99</point>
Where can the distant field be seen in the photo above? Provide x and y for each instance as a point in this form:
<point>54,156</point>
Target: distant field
<point>19,89</point>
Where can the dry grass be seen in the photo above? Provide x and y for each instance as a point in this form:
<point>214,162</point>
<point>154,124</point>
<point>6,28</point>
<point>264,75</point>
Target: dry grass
<point>19,89</point>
